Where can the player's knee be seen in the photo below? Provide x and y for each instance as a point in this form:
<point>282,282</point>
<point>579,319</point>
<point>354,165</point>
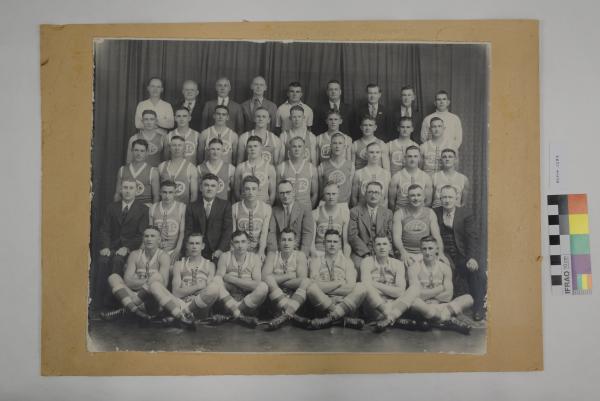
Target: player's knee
<point>312,289</point>
<point>360,288</point>
<point>115,280</point>
<point>218,281</point>
<point>270,281</point>
<point>305,283</point>
<point>262,289</point>
<point>155,278</point>
<point>212,290</point>
<point>156,287</point>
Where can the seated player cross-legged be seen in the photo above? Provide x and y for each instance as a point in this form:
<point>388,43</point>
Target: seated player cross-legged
<point>242,291</point>
<point>334,289</point>
<point>387,294</point>
<point>435,300</point>
<point>144,266</point>
<point>195,287</point>
<point>285,272</point>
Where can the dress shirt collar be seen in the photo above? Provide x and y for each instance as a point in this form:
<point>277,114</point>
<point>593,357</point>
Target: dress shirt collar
<point>128,204</point>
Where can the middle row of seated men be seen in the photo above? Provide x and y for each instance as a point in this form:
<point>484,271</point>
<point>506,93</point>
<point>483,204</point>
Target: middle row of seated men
<point>263,226</point>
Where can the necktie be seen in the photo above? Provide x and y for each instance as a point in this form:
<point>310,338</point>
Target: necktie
<point>286,216</point>
<point>124,212</point>
<point>372,111</point>
<point>207,209</point>
<point>189,106</point>
<point>255,104</point>
<point>221,100</point>
<point>335,107</point>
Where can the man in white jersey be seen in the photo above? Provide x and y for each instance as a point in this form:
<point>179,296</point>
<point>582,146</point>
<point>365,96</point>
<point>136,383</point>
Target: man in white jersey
<point>334,290</point>
<point>431,150</point>
<point>256,166</point>
<point>252,216</point>
<point>190,136</point>
<point>337,169</point>
<point>435,299</point>
<point>221,131</point>
<point>215,164</point>
<point>145,176</point>
<point>181,171</point>
<point>298,129</point>
<point>330,215</point>
<point>294,99</point>
<point>409,175</point>
<point>333,121</point>
<point>387,294</point>
<point>397,147</point>
<point>413,222</point>
<point>242,291</point>
<point>359,146</point>
<point>371,172</point>
<point>150,134</point>
<point>144,265</point>
<point>286,273</point>
<point>301,173</point>
<point>169,216</point>
<point>162,109</point>
<point>449,176</point>
<point>272,151</point>
<point>452,123</point>
<point>195,287</point>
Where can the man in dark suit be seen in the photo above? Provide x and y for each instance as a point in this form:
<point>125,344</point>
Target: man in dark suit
<point>236,117</point>
<point>190,102</point>
<point>258,87</point>
<point>293,215</point>
<point>121,232</point>
<point>385,130</point>
<point>461,246</point>
<point>210,216</point>
<point>408,108</point>
<point>334,103</point>
<point>368,221</point>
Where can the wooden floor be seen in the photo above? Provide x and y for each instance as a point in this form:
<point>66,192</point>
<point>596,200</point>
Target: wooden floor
<point>128,335</point>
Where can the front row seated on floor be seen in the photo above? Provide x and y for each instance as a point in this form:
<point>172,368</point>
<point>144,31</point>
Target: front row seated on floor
<point>238,287</point>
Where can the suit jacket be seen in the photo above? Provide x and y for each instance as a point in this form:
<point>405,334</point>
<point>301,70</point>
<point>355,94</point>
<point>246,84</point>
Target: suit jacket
<point>196,123</point>
<point>236,117</point>
<point>320,115</point>
<point>360,228</point>
<point>417,119</point>
<point>301,221</point>
<point>385,129</point>
<point>465,235</point>
<point>249,117</point>
<point>116,232</point>
<point>217,228</point>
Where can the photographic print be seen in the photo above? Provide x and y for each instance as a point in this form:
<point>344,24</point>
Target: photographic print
<point>289,196</point>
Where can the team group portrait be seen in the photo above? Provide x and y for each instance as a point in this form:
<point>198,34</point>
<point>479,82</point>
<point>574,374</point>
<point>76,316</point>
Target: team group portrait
<point>289,197</point>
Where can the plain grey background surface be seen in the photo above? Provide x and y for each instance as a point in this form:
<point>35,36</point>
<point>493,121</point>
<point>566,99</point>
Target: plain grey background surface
<point>570,84</point>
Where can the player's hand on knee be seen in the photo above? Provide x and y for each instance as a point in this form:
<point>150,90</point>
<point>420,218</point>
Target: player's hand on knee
<point>122,251</point>
<point>105,252</point>
<point>472,265</point>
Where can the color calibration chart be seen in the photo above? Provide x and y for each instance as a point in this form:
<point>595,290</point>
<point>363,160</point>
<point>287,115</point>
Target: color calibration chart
<point>568,231</point>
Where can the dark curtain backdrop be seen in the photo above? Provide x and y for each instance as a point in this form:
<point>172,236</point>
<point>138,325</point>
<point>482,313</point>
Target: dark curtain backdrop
<point>122,68</point>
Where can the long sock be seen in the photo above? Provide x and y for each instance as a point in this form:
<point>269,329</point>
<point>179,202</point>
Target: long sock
<point>228,301</point>
<point>340,310</point>
<point>295,301</point>
<point>279,298</point>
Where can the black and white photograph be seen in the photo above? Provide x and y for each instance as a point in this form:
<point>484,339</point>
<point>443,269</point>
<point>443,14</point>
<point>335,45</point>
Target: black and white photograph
<point>289,196</point>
